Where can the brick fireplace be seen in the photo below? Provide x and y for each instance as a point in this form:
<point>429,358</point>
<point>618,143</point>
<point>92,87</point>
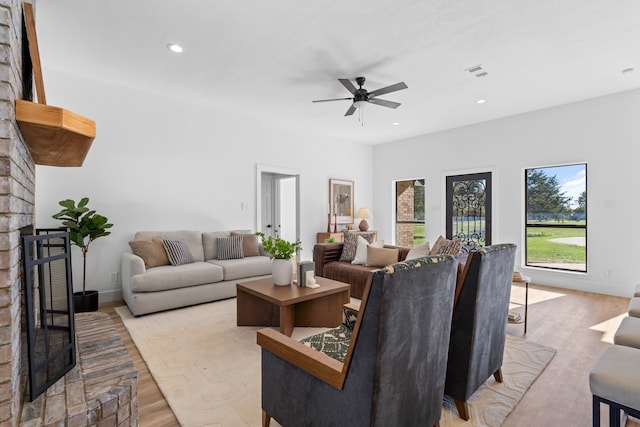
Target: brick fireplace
<point>17,195</point>
<point>102,388</point>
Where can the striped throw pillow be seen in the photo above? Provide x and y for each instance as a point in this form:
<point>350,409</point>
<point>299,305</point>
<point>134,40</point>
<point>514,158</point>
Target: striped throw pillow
<point>177,251</point>
<point>230,247</point>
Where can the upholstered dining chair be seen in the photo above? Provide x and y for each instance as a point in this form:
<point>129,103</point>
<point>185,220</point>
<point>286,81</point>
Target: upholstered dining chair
<point>394,369</point>
<point>479,325</point>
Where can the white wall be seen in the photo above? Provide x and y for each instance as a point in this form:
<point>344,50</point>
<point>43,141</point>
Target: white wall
<point>167,164</point>
<point>160,164</point>
<point>603,132</point>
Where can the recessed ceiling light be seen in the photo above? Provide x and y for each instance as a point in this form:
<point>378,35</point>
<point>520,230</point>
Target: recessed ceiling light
<point>481,101</point>
<point>175,48</point>
<point>396,123</point>
<point>627,70</point>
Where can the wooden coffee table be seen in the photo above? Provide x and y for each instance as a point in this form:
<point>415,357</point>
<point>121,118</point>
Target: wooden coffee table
<point>261,303</point>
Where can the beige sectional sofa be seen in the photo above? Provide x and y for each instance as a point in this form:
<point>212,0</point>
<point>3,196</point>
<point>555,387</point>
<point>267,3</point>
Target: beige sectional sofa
<point>163,287</point>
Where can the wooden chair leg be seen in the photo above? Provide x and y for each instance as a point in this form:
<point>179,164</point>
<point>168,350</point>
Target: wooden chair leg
<point>463,409</point>
<point>498,375</point>
<point>266,419</point>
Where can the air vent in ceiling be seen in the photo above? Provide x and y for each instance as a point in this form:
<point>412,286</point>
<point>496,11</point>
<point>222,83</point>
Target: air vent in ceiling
<point>477,71</point>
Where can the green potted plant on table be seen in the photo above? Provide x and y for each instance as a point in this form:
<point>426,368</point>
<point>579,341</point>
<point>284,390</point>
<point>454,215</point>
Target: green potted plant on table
<point>281,251</point>
<point>84,226</point>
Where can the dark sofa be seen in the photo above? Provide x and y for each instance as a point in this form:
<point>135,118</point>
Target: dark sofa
<point>326,257</point>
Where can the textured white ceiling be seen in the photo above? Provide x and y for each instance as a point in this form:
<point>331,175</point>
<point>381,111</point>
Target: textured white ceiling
<point>268,59</point>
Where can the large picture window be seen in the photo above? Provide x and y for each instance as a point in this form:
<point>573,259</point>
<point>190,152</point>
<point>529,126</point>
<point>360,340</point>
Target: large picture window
<point>410,212</point>
<point>556,217</point>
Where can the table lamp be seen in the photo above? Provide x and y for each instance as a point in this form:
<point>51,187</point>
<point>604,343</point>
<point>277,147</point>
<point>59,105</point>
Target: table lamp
<point>364,214</point>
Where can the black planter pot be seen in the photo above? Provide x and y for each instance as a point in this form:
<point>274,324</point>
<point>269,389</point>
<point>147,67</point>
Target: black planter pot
<point>85,301</point>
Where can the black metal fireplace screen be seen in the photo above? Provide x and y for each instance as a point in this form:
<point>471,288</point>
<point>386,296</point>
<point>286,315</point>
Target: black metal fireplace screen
<point>50,317</point>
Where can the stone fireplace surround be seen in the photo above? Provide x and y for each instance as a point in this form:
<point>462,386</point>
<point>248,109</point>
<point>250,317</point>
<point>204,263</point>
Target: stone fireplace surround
<point>17,200</point>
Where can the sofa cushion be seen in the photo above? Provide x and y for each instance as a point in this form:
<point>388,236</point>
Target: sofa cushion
<point>356,275</point>
<point>243,268</point>
<point>210,243</point>
<point>230,247</point>
<point>151,251</point>
<point>177,251</point>
<point>250,244</point>
<point>381,257</point>
<point>192,238</point>
<point>180,276</point>
<point>334,342</point>
<point>419,251</point>
<point>446,246</point>
<point>361,250</point>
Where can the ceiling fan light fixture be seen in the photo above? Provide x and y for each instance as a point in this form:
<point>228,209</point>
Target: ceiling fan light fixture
<point>359,104</point>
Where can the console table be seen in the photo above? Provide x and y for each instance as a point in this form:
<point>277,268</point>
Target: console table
<point>339,236</point>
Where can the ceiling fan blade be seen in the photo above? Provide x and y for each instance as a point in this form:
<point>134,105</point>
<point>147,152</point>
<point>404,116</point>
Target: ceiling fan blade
<point>334,99</point>
<point>392,88</point>
<point>384,103</point>
<point>347,83</point>
<point>350,111</point>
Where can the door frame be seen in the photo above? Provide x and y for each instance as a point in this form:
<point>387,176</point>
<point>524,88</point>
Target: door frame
<point>260,169</point>
<point>494,194</point>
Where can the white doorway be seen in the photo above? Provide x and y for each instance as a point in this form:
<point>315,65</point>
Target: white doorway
<point>277,204</point>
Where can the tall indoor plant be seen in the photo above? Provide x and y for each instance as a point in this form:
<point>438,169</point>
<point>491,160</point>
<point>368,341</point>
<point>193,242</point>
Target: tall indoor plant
<point>84,226</point>
<point>281,251</point>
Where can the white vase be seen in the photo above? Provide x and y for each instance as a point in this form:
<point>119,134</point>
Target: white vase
<point>282,272</point>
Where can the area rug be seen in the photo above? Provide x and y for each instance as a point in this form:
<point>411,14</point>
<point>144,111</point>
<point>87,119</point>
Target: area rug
<point>209,369</point>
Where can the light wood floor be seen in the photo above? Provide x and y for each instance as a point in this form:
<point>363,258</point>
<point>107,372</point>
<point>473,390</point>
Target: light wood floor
<point>578,325</point>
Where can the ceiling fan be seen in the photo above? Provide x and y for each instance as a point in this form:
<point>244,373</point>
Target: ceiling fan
<point>362,96</point>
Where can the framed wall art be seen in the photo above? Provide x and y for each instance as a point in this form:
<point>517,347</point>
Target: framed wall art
<point>341,201</point>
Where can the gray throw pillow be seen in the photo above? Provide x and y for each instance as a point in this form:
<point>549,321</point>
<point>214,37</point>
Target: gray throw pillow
<point>177,251</point>
<point>230,247</point>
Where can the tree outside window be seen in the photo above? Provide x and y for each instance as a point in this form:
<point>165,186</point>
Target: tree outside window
<point>556,217</point>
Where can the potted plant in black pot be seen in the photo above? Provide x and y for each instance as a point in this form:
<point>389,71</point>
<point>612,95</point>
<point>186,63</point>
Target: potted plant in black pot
<point>84,226</point>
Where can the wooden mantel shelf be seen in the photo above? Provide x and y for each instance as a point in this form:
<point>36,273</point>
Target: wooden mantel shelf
<point>55,136</point>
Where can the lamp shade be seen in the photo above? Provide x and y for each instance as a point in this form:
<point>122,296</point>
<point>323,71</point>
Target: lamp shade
<point>363,213</point>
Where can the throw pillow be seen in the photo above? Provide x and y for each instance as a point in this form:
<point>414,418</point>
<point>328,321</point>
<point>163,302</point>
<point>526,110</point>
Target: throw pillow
<point>151,251</point>
<point>351,245</point>
<point>177,251</point>
<point>446,246</point>
<point>381,257</point>
<point>419,251</point>
<point>350,318</point>
<point>230,247</point>
<point>250,244</point>
<point>361,250</point>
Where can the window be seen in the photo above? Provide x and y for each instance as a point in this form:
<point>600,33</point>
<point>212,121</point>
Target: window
<point>410,212</point>
<point>556,217</point>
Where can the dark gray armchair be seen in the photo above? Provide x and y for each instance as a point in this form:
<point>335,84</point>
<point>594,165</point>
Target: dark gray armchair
<point>394,370</point>
<point>479,326</point>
